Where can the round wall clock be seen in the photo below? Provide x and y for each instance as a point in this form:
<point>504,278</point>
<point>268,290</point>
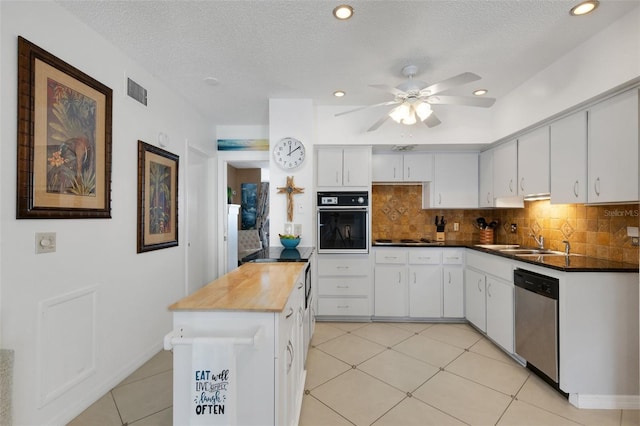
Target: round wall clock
<point>288,153</point>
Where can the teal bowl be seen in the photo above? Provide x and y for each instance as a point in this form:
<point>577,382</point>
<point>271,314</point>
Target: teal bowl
<point>290,242</point>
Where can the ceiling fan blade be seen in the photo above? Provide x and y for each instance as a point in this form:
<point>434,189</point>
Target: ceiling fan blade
<point>432,120</point>
<point>460,100</point>
<point>392,90</point>
<point>367,106</point>
<point>460,79</point>
<point>378,123</point>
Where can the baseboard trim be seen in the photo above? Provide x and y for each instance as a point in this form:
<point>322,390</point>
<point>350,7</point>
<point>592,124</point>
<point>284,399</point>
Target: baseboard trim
<point>606,402</point>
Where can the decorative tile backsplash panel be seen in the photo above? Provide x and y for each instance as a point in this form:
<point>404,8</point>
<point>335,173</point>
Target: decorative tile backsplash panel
<point>597,231</point>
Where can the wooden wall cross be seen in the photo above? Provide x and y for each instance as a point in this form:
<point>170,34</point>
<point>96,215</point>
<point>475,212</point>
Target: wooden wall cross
<point>290,190</point>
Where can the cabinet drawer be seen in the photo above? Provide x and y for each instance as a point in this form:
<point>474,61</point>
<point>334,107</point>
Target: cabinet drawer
<point>359,306</point>
<point>425,257</point>
<point>391,256</point>
<point>453,257</point>
<point>491,264</point>
<point>338,286</point>
<point>343,267</point>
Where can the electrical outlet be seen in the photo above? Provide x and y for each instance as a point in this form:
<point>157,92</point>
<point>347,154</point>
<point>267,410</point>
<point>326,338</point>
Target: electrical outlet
<point>45,242</point>
<point>634,241</point>
<point>456,227</point>
<point>514,228</point>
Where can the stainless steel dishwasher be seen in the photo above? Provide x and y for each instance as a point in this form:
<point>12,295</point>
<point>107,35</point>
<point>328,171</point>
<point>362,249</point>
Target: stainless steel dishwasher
<point>536,331</point>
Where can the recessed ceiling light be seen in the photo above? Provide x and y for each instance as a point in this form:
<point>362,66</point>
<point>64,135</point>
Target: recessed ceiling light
<point>343,12</point>
<point>584,7</point>
<point>339,93</point>
<point>480,92</point>
<point>211,81</point>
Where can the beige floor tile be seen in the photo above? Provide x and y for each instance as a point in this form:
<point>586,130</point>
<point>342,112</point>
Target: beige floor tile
<point>322,367</point>
<point>413,327</point>
<point>161,362</point>
<point>349,326</point>
<point>315,413</point>
<point>144,397</point>
<point>325,331</point>
<point>428,350</point>
<point>351,348</point>
<point>463,399</point>
<point>522,414</point>
<point>495,374</point>
<point>453,335</point>
<point>163,418</point>
<point>464,326</point>
<point>630,417</point>
<point>398,370</point>
<point>383,334</point>
<point>102,413</point>
<point>537,392</point>
<point>487,348</point>
<point>412,412</point>
<point>358,397</point>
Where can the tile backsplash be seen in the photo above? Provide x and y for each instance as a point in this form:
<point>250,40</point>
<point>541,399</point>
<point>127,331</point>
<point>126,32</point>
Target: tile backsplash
<point>597,231</point>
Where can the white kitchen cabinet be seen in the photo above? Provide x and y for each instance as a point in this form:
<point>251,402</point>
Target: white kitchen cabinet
<point>344,286</point>
<point>568,139</point>
<point>533,162</point>
<point>475,309</point>
<point>455,182</point>
<point>452,283</point>
<point>416,167</point>
<point>485,195</point>
<point>337,167</point>
<point>391,291</point>
<point>425,291</point>
<point>500,319</point>
<point>505,170</point>
<point>613,149</point>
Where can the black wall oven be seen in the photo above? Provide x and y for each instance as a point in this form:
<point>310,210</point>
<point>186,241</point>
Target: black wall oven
<point>343,222</point>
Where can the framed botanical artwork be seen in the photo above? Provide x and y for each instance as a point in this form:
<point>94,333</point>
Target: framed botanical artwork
<point>64,139</point>
<point>157,198</point>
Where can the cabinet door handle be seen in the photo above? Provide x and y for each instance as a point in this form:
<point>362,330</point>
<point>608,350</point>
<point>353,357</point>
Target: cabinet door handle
<point>337,176</point>
<point>449,277</point>
<point>440,198</point>
<point>342,306</point>
<point>488,197</point>
<point>522,184</point>
<point>596,186</point>
<point>290,313</point>
<point>415,278</point>
<point>348,176</point>
<point>575,189</point>
<point>511,185</point>
<point>479,281</point>
<point>391,257</point>
<point>342,286</point>
<point>300,286</point>
<point>489,290</point>
<point>409,172</point>
<point>399,277</point>
<point>290,350</point>
<point>342,267</point>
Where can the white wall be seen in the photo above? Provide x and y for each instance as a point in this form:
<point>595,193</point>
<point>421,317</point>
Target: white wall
<point>292,118</point>
<point>131,291</point>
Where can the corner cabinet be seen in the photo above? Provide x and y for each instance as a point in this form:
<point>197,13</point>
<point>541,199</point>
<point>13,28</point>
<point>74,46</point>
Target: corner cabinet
<point>485,195</point>
<point>568,138</point>
<point>613,149</point>
<point>338,167</point>
<point>455,182</point>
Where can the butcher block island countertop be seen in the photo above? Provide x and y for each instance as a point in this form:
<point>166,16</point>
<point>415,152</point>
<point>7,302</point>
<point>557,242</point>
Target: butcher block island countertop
<point>258,287</point>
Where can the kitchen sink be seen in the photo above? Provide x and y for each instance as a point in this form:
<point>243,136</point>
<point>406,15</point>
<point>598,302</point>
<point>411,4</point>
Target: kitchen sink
<point>498,246</point>
<point>518,251</point>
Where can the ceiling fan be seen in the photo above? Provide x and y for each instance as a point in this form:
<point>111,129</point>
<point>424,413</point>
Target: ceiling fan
<point>413,99</point>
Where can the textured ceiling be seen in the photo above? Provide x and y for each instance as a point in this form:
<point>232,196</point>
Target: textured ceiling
<point>296,49</point>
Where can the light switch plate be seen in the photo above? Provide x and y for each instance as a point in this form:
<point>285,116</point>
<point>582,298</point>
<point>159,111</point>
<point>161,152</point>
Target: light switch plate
<point>45,242</point>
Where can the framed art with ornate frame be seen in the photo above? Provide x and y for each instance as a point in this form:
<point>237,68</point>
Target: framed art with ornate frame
<point>64,139</point>
<point>157,198</point>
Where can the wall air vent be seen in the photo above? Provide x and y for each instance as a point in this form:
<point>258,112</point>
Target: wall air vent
<point>136,91</point>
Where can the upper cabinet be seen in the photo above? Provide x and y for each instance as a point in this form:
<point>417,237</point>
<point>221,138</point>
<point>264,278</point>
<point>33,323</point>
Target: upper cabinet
<point>343,166</point>
<point>569,159</point>
<point>505,170</point>
<point>402,167</point>
<point>533,162</point>
<point>455,182</point>
<point>613,150</point>
<point>485,195</point>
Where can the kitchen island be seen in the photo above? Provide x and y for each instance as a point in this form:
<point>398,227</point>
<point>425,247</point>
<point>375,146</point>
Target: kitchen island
<point>238,348</point>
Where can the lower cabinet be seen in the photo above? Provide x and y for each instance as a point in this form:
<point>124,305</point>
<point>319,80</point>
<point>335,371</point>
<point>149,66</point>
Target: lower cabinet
<point>418,283</point>
<point>489,297</point>
<point>344,286</point>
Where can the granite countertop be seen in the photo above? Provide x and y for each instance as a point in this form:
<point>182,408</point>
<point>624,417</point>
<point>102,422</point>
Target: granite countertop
<point>280,254</point>
<point>258,287</point>
<point>572,263</point>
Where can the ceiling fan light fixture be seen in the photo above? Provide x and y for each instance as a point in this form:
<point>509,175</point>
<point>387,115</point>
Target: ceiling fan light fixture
<point>584,8</point>
<point>343,12</point>
<point>399,113</point>
<point>410,118</point>
<point>423,110</point>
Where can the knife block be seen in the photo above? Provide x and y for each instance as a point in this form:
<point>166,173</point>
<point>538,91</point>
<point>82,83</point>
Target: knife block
<point>486,236</point>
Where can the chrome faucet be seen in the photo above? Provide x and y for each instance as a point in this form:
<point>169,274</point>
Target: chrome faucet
<point>567,247</point>
<point>539,240</point>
